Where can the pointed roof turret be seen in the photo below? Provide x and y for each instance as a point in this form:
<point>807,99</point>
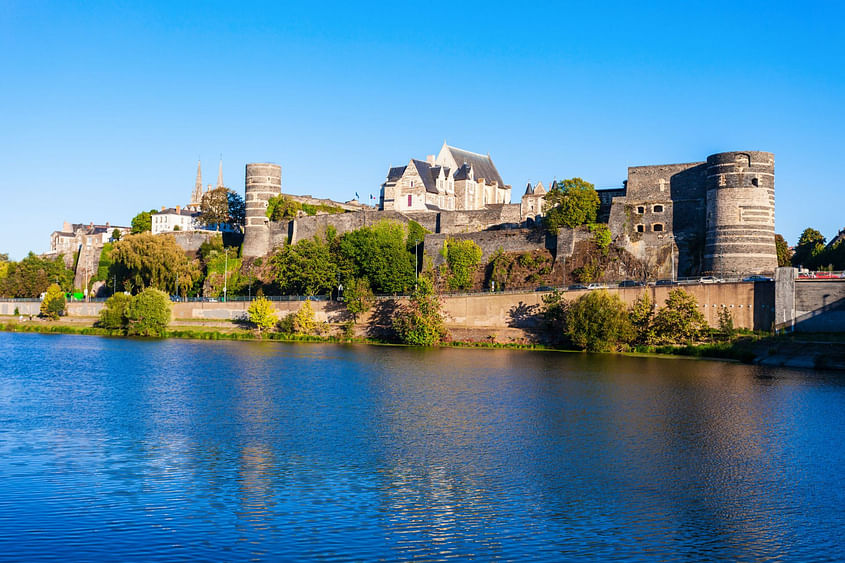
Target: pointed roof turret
<point>196,195</point>
<point>220,173</point>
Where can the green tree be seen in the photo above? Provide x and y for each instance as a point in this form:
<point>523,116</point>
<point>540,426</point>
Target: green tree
<point>554,313</point>
<point>300,322</point>
<point>420,321</point>
<point>463,257</point>
<point>598,322</point>
<point>53,304</point>
<point>784,254</point>
<point>358,296</point>
<point>601,236</point>
<point>679,320</point>
<point>145,260</point>
<point>280,208</point>
<point>810,246</point>
<point>237,210</point>
<point>33,275</point>
<point>215,208</point>
<point>641,315</point>
<point>379,254</point>
<point>113,314</point>
<point>148,313</point>
<point>261,314</point>
<point>571,203</point>
<point>726,323</point>
<point>305,268</point>
<point>116,234</point>
<point>142,222</point>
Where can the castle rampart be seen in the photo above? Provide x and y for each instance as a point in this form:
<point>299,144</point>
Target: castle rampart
<point>263,181</point>
<point>740,219</point>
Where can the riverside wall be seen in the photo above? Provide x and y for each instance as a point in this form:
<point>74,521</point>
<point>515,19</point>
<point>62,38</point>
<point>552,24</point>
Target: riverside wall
<point>503,316</point>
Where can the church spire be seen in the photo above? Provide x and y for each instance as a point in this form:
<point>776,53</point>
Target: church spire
<point>196,197</point>
<point>220,173</point>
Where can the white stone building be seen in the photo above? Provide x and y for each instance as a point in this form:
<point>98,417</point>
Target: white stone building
<point>455,180</point>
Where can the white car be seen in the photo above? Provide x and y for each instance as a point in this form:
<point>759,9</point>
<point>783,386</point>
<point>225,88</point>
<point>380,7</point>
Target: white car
<point>595,286</point>
<point>710,279</point>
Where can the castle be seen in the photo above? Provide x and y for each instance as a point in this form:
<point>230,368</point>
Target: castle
<point>708,217</point>
<point>456,180</point>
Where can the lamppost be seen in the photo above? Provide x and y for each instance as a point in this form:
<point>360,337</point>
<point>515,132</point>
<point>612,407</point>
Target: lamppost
<point>672,254</point>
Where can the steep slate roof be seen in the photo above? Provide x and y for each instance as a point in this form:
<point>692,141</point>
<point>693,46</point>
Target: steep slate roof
<point>395,173</point>
<point>482,165</point>
<point>425,172</point>
<point>536,189</point>
<point>462,173</point>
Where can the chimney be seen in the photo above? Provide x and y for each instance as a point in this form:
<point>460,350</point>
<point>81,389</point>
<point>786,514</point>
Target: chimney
<point>178,209</point>
<point>430,159</point>
<point>107,224</point>
<point>67,227</point>
<point>162,208</point>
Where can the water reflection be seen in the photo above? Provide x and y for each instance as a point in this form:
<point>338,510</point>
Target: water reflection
<point>158,450</point>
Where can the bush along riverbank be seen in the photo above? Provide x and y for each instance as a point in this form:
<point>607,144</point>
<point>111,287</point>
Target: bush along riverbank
<point>595,322</point>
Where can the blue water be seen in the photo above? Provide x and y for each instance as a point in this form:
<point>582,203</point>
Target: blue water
<point>115,449</point>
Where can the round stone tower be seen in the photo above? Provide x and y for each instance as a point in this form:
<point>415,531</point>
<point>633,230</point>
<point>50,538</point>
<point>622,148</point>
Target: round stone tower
<point>740,223</point>
<point>263,181</point>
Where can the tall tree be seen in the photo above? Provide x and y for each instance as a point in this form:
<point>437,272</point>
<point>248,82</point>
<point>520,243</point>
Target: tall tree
<point>598,322</point>
<point>31,276</point>
<point>810,245</point>
<point>679,320</point>
<point>571,203</point>
<point>145,260</point>
<point>305,268</point>
<point>379,254</point>
<point>420,321</point>
<point>783,252</point>
<point>142,222</point>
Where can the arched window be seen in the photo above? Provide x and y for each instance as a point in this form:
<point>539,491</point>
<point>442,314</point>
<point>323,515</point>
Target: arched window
<point>657,227</point>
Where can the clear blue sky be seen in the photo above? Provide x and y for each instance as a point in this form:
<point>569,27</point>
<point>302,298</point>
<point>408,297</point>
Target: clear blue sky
<point>105,106</point>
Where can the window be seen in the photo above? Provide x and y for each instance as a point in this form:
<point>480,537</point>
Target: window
<point>658,209</point>
<point>640,228</point>
<point>412,183</point>
<point>657,227</point>
<point>410,197</point>
<point>641,209</point>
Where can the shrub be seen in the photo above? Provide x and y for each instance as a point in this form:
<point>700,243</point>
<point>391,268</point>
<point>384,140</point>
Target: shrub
<point>54,303</point>
<point>601,236</point>
<point>641,314</point>
<point>113,315</point>
<point>554,312</point>
<point>420,322</point>
<point>726,324</point>
<point>303,321</point>
<point>462,256</point>
<point>679,320</point>
<point>598,322</point>
<point>359,297</point>
<point>261,314</point>
<point>148,314</point>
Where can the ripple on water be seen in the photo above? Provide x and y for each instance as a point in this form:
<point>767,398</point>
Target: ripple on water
<point>117,449</point>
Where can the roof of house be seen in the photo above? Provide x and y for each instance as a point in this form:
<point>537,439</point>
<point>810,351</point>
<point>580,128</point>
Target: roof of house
<point>426,173</point>
<point>183,212</point>
<point>395,173</point>
<point>482,165</point>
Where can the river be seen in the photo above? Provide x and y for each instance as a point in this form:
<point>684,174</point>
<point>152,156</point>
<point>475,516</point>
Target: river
<point>122,449</point>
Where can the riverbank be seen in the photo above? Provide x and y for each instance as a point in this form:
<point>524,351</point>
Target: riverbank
<point>805,351</point>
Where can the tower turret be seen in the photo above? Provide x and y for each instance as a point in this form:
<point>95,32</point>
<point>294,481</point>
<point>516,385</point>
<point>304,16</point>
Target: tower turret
<point>220,174</point>
<point>196,195</point>
<point>263,181</point>
<point>740,221</point>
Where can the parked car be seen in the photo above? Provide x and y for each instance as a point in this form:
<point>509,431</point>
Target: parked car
<point>577,286</point>
<point>665,282</point>
<point>710,279</point>
<point>631,283</point>
<point>596,286</point>
<point>756,279</point>
<point>545,288</point>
